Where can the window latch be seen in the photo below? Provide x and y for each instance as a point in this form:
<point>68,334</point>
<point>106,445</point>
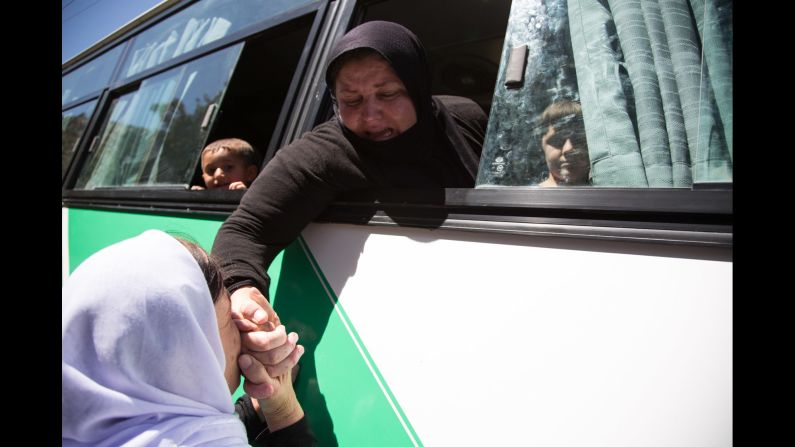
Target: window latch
<point>514,71</point>
<point>93,144</point>
<point>208,116</point>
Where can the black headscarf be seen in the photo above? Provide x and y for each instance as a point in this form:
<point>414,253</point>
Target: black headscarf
<point>434,143</point>
<point>401,48</point>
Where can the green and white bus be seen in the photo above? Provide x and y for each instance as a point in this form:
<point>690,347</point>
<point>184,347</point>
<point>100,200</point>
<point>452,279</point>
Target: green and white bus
<point>505,314</point>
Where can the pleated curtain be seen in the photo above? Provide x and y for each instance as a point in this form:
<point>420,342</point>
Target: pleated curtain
<point>655,83</point>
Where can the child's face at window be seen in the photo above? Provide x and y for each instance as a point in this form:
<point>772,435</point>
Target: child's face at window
<point>566,152</point>
<point>220,168</point>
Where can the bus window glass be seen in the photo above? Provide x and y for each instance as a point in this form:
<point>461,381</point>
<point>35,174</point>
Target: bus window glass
<point>90,77</point>
<point>73,124</point>
<point>196,26</point>
<point>628,95</point>
<point>714,26</point>
<point>153,136</point>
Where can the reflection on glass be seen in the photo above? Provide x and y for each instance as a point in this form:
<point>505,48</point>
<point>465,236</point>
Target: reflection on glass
<point>714,22</point>
<point>653,81</point>
<point>153,136</point>
<point>198,25</point>
<point>564,144</point>
<point>73,124</point>
<point>513,153</point>
<point>90,77</point>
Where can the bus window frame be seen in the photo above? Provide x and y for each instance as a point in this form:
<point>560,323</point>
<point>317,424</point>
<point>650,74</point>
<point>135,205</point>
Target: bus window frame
<point>221,43</point>
<point>96,93</point>
<point>120,87</point>
<point>675,216</point>
<point>699,216</point>
<point>83,138</point>
<point>92,131</point>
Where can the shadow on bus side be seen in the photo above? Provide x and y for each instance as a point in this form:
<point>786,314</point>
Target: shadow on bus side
<point>338,376</point>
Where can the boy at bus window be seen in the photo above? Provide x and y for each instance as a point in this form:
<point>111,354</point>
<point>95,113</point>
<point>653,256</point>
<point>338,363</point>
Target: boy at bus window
<point>229,163</point>
<point>564,145</point>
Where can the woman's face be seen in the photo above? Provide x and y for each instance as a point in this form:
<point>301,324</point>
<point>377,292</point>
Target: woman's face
<point>230,340</point>
<point>372,100</point>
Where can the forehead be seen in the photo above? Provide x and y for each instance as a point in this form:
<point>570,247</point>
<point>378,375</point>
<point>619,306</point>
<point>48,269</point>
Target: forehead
<point>371,70</point>
<point>219,154</point>
<point>567,121</point>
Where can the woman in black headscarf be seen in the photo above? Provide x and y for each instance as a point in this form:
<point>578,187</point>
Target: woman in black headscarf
<point>388,131</point>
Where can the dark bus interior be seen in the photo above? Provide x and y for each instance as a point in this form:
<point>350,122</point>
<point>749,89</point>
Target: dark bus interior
<point>253,101</point>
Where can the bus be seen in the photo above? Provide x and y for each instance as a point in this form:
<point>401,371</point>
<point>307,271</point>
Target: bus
<point>597,313</point>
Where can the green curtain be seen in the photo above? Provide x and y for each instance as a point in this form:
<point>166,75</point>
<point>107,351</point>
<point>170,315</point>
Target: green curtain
<point>714,21</point>
<point>657,113</point>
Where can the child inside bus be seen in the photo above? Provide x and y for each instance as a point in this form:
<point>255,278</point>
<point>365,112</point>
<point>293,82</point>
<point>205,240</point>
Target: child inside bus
<point>229,163</point>
<point>564,145</point>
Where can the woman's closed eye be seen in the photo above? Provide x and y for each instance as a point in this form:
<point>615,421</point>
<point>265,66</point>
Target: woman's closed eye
<point>351,102</point>
<point>389,95</point>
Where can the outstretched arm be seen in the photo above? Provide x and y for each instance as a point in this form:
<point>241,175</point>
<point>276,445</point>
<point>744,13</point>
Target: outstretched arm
<point>289,192</point>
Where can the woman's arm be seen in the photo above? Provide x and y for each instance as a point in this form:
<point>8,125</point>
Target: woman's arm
<point>292,189</point>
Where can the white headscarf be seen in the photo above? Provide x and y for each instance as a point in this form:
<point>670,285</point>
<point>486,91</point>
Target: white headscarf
<point>142,357</point>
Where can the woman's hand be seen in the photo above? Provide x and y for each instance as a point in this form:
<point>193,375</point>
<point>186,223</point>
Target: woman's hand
<point>251,310</point>
<point>261,332</point>
<point>272,397</point>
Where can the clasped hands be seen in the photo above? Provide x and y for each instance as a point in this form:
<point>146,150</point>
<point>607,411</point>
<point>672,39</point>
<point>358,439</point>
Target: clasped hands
<point>268,356</point>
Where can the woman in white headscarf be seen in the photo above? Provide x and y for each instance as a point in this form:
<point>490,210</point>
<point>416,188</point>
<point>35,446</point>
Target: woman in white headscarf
<point>150,354</point>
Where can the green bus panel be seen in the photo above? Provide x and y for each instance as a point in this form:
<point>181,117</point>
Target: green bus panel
<point>340,393</point>
<point>93,230</point>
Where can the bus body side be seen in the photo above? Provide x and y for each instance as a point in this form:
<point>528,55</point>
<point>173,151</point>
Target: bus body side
<point>497,315</point>
<point>437,337</point>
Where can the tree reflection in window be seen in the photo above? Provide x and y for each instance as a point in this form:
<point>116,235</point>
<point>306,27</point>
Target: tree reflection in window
<point>73,124</point>
<point>653,79</point>
<point>153,136</point>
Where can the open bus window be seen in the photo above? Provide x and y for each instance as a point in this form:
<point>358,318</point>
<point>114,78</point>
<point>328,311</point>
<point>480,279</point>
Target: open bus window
<point>651,88</point>
<point>73,124</point>
<point>256,94</point>
<point>152,136</point>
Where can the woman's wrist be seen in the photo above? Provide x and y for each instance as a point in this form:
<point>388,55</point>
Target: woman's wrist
<point>281,415</point>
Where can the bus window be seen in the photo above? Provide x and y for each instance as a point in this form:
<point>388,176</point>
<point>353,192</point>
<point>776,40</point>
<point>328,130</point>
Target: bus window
<point>90,77</point>
<point>73,124</point>
<point>198,25</point>
<point>152,136</point>
<point>256,94</point>
<point>641,96</point>
<point>462,39</point>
